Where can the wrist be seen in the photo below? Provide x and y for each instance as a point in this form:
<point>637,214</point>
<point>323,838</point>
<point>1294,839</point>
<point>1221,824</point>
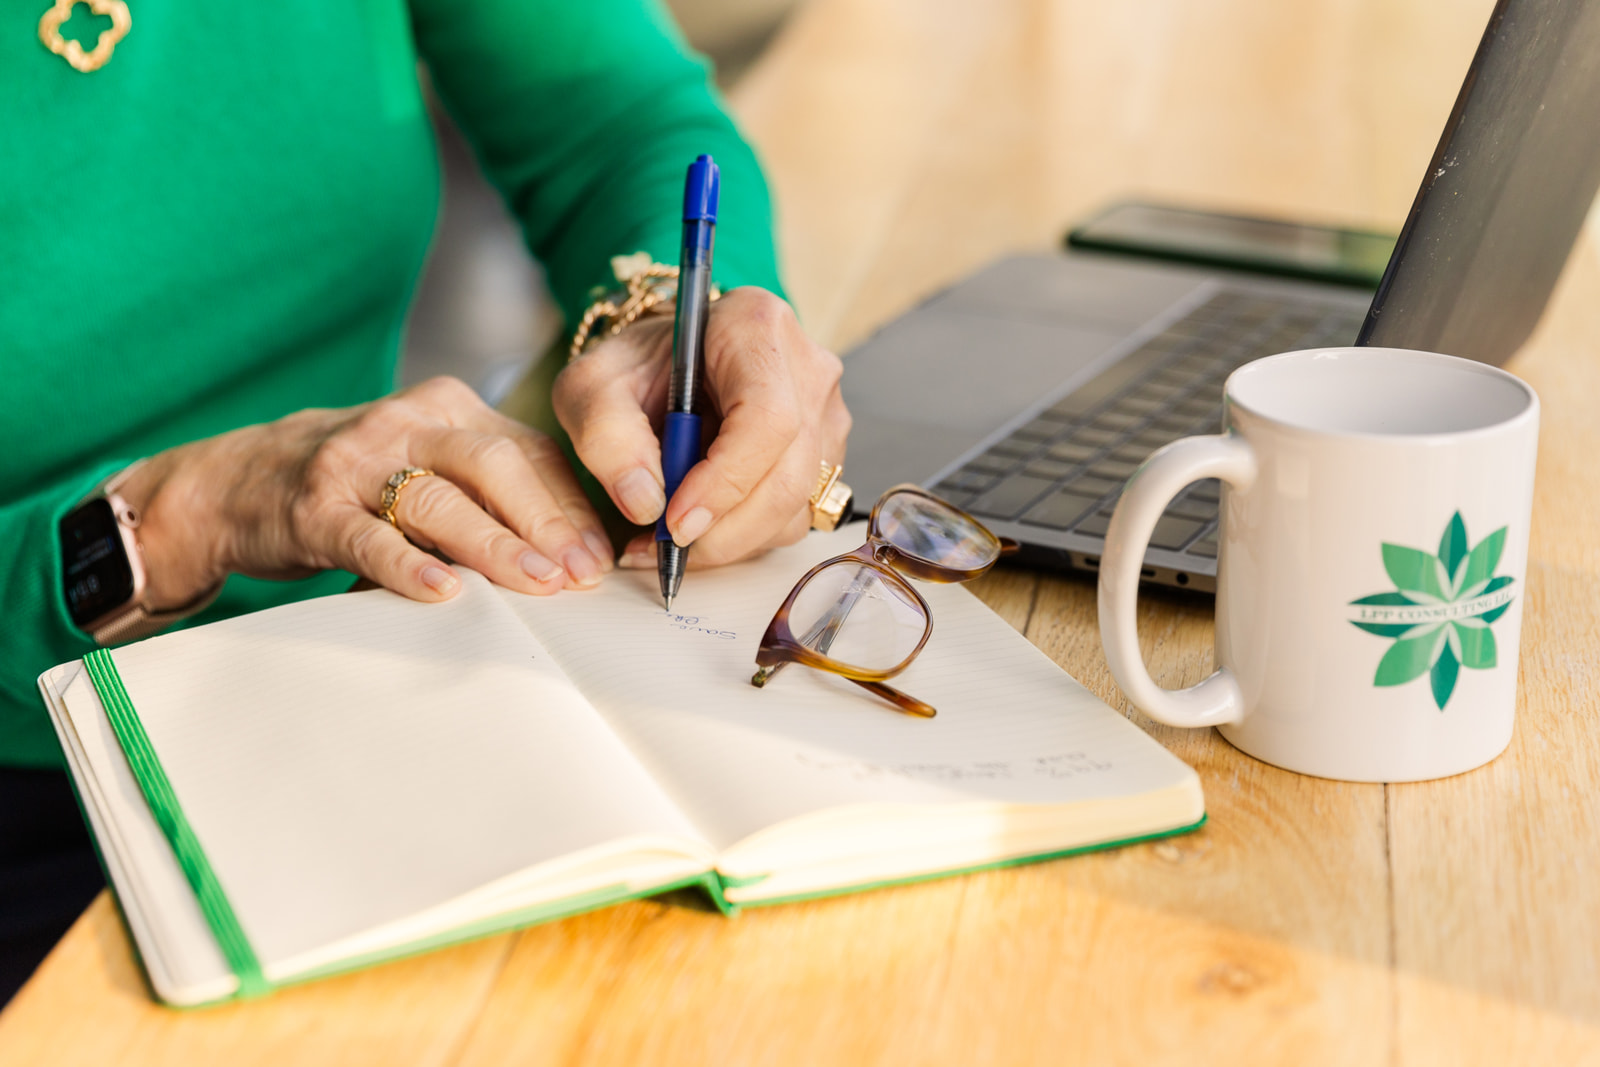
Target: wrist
<point>178,529</point>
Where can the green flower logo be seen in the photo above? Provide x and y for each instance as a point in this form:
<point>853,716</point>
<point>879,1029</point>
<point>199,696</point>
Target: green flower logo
<point>1440,612</point>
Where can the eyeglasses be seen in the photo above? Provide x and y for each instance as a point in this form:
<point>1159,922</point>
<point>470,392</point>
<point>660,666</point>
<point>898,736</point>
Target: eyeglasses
<point>857,616</point>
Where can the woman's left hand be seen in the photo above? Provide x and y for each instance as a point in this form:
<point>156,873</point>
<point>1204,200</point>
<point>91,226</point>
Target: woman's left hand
<point>776,415</point>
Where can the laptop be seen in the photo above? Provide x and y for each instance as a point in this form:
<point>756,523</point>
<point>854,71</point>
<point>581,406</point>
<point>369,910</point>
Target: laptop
<point>1043,381</point>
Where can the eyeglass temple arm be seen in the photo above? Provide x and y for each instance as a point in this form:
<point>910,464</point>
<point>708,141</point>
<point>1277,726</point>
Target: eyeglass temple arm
<point>826,629</point>
<point>900,699</point>
<point>822,633</point>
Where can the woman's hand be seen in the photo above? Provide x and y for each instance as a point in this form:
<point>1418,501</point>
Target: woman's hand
<point>776,415</point>
<point>289,498</point>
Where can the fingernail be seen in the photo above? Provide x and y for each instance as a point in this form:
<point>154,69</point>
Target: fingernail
<point>438,579</point>
<point>582,566</point>
<point>601,548</point>
<point>691,526</point>
<point>538,568</point>
<point>640,496</point>
<point>638,559</point>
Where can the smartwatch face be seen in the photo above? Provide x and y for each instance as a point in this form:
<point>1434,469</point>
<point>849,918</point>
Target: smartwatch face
<point>95,568</point>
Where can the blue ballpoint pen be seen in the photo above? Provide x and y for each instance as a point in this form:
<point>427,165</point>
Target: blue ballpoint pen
<point>680,437</point>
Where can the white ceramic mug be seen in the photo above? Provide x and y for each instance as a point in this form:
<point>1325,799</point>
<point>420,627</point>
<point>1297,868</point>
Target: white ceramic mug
<point>1371,563</point>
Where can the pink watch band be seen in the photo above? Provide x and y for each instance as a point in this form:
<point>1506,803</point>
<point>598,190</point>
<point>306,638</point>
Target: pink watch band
<point>134,619</point>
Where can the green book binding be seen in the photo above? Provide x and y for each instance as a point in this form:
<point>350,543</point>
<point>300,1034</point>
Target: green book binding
<point>169,814</point>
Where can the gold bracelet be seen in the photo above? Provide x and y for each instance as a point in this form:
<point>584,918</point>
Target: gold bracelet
<point>648,287</point>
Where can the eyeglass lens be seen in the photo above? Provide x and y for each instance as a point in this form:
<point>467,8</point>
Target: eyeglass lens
<point>857,617</point>
<point>936,533</point>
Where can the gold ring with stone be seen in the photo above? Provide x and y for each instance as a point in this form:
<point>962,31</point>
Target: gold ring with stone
<point>391,491</point>
<point>831,499</point>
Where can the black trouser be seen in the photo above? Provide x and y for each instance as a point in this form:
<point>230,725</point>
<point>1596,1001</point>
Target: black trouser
<point>48,870</point>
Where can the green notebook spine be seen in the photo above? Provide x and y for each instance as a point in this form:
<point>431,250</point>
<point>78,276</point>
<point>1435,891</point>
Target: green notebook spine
<point>716,888</point>
<point>163,801</point>
<point>929,876</point>
<point>521,919</point>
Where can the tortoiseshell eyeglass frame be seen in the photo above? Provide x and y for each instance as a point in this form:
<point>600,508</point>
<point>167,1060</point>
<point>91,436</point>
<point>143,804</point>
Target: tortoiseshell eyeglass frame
<point>780,647</point>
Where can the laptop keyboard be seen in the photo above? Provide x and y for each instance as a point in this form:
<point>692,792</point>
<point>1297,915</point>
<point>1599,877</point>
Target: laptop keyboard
<point>1065,469</point>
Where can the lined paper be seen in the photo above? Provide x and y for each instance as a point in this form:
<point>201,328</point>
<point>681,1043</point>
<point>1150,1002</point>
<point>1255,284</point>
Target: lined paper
<point>1012,727</point>
<point>355,760</point>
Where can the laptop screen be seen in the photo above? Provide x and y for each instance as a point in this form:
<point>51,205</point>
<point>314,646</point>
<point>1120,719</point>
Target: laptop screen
<point>1506,192</point>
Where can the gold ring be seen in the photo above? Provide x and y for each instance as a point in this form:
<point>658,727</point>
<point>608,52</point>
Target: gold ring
<point>391,491</point>
<point>831,499</point>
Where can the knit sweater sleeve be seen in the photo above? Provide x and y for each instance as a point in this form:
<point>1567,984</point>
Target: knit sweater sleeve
<point>585,115</point>
<point>30,588</point>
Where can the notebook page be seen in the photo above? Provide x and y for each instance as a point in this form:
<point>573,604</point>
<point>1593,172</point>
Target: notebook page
<point>350,761</point>
<point>1011,725</point>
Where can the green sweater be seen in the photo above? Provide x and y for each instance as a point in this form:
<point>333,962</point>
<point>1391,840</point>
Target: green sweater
<point>224,225</point>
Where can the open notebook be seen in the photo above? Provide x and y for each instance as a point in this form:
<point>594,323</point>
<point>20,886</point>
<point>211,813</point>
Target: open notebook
<point>321,786</point>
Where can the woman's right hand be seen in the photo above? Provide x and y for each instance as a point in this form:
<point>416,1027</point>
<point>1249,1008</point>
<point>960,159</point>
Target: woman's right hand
<point>289,498</point>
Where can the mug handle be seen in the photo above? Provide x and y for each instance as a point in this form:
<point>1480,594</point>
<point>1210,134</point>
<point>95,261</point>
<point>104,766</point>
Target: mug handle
<point>1218,699</point>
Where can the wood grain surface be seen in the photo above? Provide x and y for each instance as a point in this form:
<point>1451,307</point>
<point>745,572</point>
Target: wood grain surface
<point>1310,922</point>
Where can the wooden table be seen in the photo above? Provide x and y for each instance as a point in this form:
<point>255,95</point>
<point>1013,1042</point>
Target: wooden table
<point>1311,921</point>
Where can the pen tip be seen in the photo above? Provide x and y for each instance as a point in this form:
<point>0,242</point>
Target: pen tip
<point>669,603</point>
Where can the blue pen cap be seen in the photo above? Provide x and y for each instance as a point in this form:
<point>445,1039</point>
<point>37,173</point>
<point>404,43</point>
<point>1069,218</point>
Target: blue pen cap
<point>700,190</point>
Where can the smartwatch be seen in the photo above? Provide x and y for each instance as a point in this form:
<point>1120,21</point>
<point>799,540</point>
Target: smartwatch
<point>102,569</point>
